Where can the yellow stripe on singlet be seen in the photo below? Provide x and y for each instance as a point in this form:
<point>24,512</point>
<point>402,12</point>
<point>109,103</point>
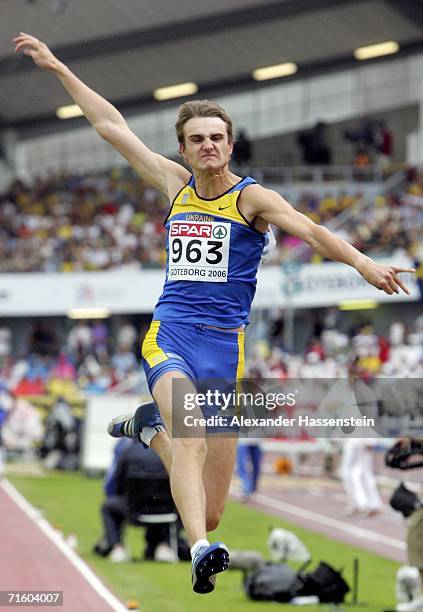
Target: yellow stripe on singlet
<point>197,209</point>
<point>151,351</point>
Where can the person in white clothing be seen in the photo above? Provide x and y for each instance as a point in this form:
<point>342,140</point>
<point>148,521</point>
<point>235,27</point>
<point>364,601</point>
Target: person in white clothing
<point>358,476</point>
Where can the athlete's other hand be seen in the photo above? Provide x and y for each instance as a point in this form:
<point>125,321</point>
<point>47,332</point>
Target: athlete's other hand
<point>36,49</point>
<point>384,277</point>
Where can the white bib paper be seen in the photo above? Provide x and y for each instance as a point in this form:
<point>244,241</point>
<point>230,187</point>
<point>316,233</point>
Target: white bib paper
<point>199,251</point>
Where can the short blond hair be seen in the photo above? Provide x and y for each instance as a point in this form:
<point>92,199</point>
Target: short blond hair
<point>201,108</point>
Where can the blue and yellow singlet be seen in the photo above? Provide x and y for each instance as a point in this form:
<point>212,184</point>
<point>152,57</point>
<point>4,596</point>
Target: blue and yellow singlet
<point>213,254</point>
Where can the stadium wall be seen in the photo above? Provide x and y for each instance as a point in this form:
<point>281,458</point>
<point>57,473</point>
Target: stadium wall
<point>97,448</point>
<point>284,149</point>
<point>120,292</point>
<point>264,112</point>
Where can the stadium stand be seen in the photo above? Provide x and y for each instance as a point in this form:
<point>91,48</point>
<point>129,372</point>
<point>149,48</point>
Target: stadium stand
<point>92,222</point>
<point>332,349</point>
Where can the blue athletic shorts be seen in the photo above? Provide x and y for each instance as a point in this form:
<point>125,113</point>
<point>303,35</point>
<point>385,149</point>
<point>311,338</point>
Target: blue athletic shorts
<point>198,351</point>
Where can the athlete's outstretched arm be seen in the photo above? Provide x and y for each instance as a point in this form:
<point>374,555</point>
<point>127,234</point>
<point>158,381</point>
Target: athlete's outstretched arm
<point>156,170</point>
<point>270,206</point>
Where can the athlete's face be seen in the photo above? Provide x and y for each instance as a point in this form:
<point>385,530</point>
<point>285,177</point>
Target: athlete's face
<point>206,146</point>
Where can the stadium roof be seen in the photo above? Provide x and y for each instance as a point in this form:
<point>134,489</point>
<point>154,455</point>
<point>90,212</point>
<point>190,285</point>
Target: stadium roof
<point>126,49</point>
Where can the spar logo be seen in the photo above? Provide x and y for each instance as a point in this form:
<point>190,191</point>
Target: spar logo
<point>220,232</point>
<point>195,230</point>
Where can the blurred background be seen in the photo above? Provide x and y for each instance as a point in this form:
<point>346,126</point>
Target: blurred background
<point>326,98</point>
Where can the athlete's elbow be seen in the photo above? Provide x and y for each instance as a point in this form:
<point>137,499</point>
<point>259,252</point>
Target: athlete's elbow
<point>107,129</point>
<point>315,236</point>
<point>103,129</point>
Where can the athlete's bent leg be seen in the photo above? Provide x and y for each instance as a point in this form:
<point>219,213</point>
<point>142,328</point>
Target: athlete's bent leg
<point>162,445</point>
<point>144,425</point>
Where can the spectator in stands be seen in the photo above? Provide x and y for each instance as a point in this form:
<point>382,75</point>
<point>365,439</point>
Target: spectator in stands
<point>102,221</point>
<point>365,134</point>
<point>384,144</point>
<point>277,329</point>
<point>93,377</point>
<point>126,336</point>
<point>315,150</point>
<point>362,158</point>
<point>124,363</point>
<point>366,347</point>
<point>43,341</point>
<point>99,339</point>
<point>331,318</point>
<point>60,446</point>
<point>5,342</point>
<point>316,325</point>
<point>397,333</point>
<point>313,366</point>
<point>242,152</point>
<point>23,428</point>
<point>64,368</point>
<point>80,341</point>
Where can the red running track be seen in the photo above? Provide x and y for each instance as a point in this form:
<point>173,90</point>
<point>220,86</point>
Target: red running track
<point>319,505</point>
<point>34,557</point>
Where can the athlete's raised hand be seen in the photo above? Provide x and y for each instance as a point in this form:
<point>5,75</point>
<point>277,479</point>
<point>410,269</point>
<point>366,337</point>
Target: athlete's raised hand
<point>36,49</point>
<point>384,277</point>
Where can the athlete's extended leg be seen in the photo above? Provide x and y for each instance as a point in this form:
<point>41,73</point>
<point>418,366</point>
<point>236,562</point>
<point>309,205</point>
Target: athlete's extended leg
<point>188,455</point>
<point>197,470</point>
<point>186,479</point>
<point>217,475</point>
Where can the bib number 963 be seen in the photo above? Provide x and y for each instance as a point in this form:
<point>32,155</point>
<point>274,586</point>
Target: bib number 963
<point>199,251</point>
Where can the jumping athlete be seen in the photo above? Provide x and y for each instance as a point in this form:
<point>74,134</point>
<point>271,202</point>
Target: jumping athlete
<point>216,232</point>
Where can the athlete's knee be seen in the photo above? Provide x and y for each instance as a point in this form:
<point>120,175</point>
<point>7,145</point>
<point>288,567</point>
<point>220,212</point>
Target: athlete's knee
<point>213,519</point>
<point>189,447</point>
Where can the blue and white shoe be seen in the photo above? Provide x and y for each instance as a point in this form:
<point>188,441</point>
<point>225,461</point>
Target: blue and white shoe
<point>141,425</point>
<point>207,562</point>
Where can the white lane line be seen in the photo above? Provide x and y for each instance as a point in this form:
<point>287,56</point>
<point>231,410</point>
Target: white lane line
<point>322,519</point>
<point>317,492</point>
<point>80,565</point>
<point>338,496</point>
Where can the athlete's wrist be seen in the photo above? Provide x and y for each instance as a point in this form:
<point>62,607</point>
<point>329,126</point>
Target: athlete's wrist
<point>361,262</point>
<point>59,68</point>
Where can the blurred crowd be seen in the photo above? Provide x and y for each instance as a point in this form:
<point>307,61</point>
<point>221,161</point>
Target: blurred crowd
<point>71,223</point>
<point>332,350</point>
<point>391,225</point>
<point>93,360</point>
<point>89,360</point>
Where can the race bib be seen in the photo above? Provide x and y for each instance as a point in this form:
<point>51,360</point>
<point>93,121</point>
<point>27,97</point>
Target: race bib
<point>199,251</point>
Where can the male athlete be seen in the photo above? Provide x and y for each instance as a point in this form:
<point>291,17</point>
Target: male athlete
<point>216,233</point>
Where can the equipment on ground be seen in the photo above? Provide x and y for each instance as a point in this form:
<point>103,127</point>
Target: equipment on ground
<point>402,455</point>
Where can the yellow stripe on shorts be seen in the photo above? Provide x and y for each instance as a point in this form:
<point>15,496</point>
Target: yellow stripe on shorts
<point>240,370</point>
<point>151,351</point>
<point>241,355</point>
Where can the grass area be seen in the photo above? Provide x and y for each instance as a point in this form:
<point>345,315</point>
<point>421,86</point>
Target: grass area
<point>72,502</point>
